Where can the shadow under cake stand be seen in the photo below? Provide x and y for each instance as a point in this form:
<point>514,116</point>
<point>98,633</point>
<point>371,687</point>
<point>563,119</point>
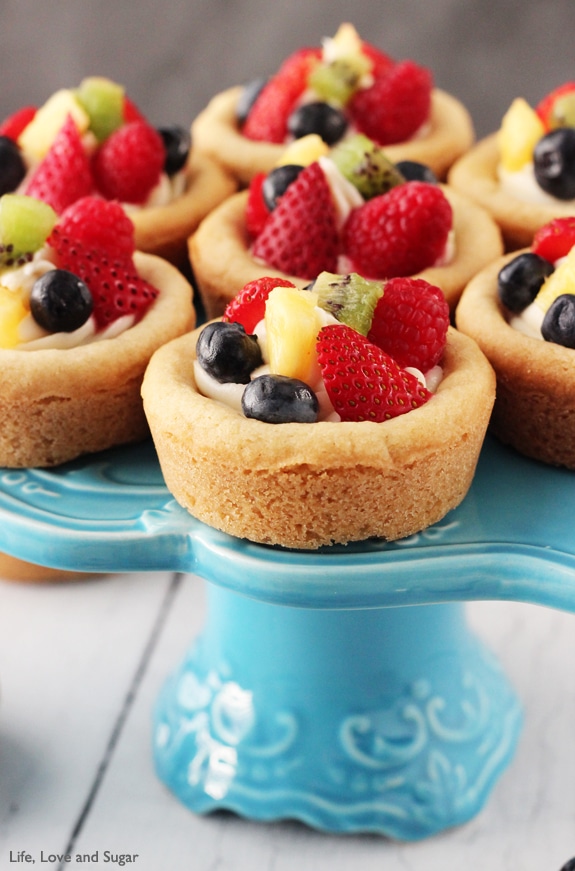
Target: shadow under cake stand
<point>341,687</point>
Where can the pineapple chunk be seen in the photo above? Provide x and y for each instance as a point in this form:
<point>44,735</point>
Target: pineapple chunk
<point>304,151</point>
<point>292,323</point>
<point>40,133</point>
<point>12,312</point>
<point>560,281</point>
<point>346,42</point>
<point>521,129</point>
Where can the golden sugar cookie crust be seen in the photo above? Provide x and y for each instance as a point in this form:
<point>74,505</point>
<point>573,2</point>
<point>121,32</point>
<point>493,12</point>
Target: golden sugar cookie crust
<point>475,174</point>
<point>534,409</point>
<point>215,132</point>
<point>309,485</point>
<point>58,404</point>
<point>222,262</point>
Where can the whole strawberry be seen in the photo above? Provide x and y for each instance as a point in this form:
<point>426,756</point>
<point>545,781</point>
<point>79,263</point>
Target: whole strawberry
<point>395,106</point>
<point>362,381</point>
<point>555,239</point>
<point>300,236</point>
<point>400,232</point>
<point>249,306</point>
<point>129,163</point>
<point>410,322</point>
<point>64,175</point>
<point>99,224</point>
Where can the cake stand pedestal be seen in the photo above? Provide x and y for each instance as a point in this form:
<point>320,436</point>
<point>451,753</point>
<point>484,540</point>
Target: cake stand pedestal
<point>341,687</point>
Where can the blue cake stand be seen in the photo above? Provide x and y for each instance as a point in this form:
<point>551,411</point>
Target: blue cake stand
<point>341,687</point>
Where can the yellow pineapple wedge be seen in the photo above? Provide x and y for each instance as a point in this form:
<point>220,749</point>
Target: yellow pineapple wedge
<point>292,323</point>
<point>304,151</point>
<point>40,133</point>
<point>12,312</point>
<point>560,281</point>
<point>521,129</point>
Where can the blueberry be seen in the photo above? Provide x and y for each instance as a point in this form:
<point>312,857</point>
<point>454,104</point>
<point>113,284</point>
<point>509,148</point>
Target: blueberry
<point>554,163</point>
<point>177,142</point>
<point>247,98</point>
<point>518,283</point>
<point>559,322</point>
<point>321,118</point>
<point>12,166</point>
<point>279,399</point>
<point>569,866</point>
<point>412,170</point>
<point>277,182</point>
<point>60,302</point>
<point>228,353</point>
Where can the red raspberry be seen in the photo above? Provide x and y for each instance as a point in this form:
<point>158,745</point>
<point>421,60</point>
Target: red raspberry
<point>249,306</point>
<point>300,236</point>
<point>99,224</point>
<point>362,381</point>
<point>545,107</point>
<point>398,233</point>
<point>267,119</point>
<point>257,211</point>
<point>410,322</point>
<point>64,175</point>
<point>395,106</point>
<point>382,63</point>
<point>129,163</point>
<point>13,126</point>
<point>555,239</point>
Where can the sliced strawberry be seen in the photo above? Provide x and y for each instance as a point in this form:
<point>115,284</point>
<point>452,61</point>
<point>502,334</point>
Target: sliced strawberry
<point>410,322</point>
<point>300,236</point>
<point>545,106</point>
<point>400,232</point>
<point>395,106</point>
<point>129,163</point>
<point>13,126</point>
<point>257,211</point>
<point>555,239</point>
<point>99,224</point>
<point>249,306</point>
<point>362,381</point>
<point>131,111</point>
<point>267,119</point>
<point>64,175</point>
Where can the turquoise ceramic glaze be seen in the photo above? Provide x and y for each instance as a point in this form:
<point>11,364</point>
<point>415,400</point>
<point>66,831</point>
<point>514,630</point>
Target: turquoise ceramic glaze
<point>314,691</point>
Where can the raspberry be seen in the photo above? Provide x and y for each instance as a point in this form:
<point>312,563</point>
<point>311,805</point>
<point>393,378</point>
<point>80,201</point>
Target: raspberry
<point>99,224</point>
<point>63,176</point>
<point>410,322</point>
<point>300,236</point>
<point>267,119</point>
<point>257,211</point>
<point>249,306</point>
<point>381,62</point>
<point>129,163</point>
<point>400,232</point>
<point>13,126</point>
<point>362,381</point>
<point>555,239</point>
<point>395,106</point>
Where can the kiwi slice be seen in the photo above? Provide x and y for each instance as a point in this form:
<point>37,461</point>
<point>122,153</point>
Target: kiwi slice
<point>25,223</point>
<point>339,79</point>
<point>365,165</point>
<point>349,298</point>
<point>103,101</point>
<point>563,112</point>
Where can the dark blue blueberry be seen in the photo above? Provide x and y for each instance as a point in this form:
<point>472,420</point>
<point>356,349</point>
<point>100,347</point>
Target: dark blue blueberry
<point>277,182</point>
<point>228,353</point>
<point>412,170</point>
<point>569,866</point>
<point>518,283</point>
<point>554,163</point>
<point>321,118</point>
<point>12,166</point>
<point>177,142</point>
<point>279,399</point>
<point>248,96</point>
<point>559,322</point>
<point>60,302</point>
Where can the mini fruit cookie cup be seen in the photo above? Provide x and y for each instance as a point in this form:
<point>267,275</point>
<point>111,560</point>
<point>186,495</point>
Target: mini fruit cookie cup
<point>524,175</point>
<point>93,140</point>
<point>345,209</point>
<point>521,312</point>
<point>333,441</point>
<point>347,85</point>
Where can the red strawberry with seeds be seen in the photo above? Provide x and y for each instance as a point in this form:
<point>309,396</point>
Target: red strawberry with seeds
<point>395,106</point>
<point>545,106</point>
<point>410,322</point>
<point>555,239</point>
<point>400,232</point>
<point>267,119</point>
<point>249,306</point>
<point>99,224</point>
<point>362,381</point>
<point>13,126</point>
<point>257,211</point>
<point>64,175</point>
<point>129,163</point>
<point>300,236</point>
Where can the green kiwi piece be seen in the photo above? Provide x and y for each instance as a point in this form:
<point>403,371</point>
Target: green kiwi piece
<point>349,298</point>
<point>25,223</point>
<point>103,101</point>
<point>563,112</point>
<point>365,165</point>
<point>338,80</point>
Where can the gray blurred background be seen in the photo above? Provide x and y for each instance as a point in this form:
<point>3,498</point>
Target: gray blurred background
<point>172,57</point>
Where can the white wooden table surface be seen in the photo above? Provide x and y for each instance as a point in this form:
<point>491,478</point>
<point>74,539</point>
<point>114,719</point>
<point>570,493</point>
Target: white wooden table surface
<point>81,664</point>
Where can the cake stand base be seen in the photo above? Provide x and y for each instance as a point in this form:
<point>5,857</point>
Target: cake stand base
<point>391,720</point>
